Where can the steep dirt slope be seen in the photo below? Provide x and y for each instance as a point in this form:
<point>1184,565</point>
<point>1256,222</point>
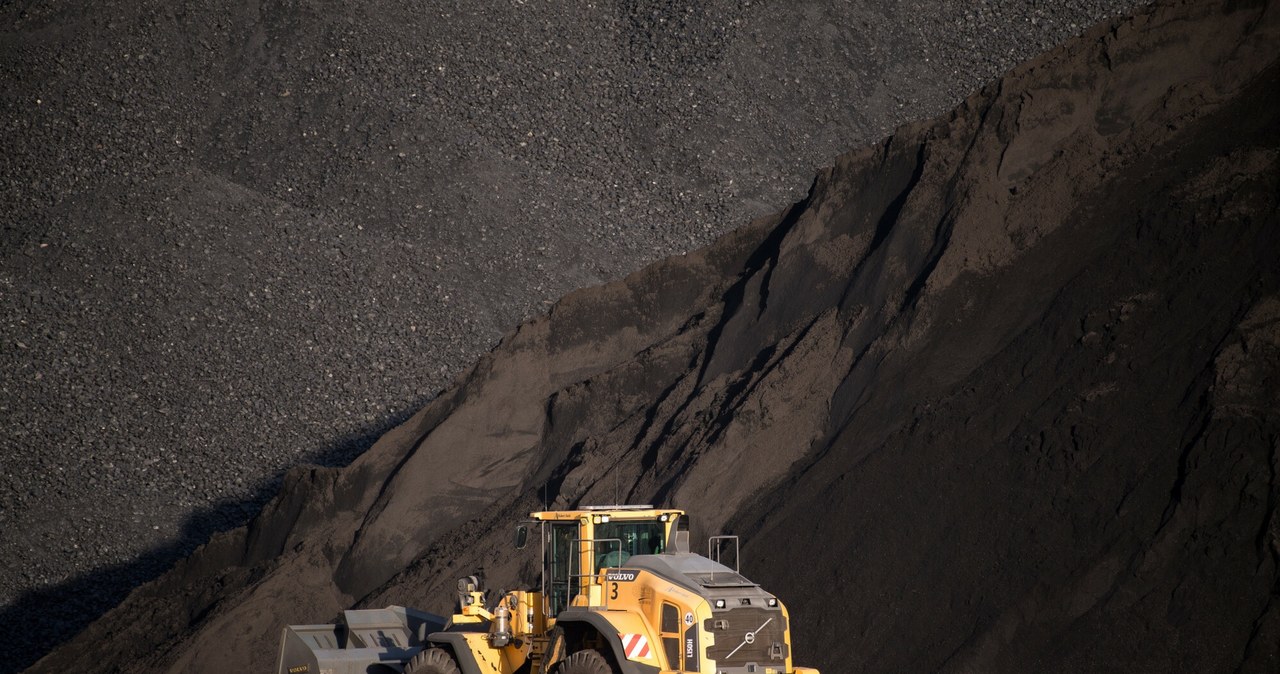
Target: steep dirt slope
<point>999,395</point>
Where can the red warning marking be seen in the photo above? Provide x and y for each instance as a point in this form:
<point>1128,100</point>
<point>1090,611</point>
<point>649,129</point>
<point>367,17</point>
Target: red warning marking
<point>636,646</point>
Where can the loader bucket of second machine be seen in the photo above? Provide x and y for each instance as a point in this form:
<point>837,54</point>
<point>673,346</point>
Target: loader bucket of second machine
<point>369,641</point>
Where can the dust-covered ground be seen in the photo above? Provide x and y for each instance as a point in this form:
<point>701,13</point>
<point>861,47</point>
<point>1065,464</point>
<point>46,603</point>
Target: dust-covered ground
<point>239,236</point>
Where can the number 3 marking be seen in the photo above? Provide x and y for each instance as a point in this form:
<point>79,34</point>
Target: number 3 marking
<point>614,593</point>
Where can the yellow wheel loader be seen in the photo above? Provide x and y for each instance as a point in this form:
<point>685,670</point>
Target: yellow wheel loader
<point>620,594</point>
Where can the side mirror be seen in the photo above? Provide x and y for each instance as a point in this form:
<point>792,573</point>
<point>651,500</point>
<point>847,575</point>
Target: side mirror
<point>522,536</point>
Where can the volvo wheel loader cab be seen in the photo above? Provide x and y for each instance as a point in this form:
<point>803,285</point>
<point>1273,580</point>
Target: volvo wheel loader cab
<point>621,593</point>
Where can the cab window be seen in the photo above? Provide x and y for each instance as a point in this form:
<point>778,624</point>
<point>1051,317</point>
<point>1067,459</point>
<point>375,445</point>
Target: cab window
<point>618,541</point>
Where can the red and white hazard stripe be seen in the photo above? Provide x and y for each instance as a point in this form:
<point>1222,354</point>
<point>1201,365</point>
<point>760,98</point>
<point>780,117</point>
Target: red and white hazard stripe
<point>636,646</point>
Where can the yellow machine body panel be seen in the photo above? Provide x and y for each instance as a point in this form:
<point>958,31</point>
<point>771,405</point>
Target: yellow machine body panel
<point>670,612</point>
<point>502,660</point>
<point>638,641</point>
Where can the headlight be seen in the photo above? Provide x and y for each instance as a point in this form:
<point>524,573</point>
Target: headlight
<point>773,601</point>
<point>719,603</point>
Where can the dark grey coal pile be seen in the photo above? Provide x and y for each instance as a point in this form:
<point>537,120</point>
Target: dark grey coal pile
<point>237,236</point>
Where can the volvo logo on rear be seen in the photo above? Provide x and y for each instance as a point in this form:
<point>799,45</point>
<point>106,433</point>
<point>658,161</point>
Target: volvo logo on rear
<point>620,575</point>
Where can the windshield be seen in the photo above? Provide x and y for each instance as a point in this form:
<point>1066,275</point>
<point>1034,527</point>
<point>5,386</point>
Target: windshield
<point>636,538</point>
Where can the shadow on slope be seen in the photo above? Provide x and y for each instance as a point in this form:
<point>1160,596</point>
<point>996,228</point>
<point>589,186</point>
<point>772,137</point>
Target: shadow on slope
<point>57,613</point>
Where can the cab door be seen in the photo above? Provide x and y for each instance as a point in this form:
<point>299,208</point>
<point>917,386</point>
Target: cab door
<point>679,638</point>
<point>561,566</point>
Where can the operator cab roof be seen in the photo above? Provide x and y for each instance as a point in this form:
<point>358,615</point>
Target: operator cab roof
<point>622,512</point>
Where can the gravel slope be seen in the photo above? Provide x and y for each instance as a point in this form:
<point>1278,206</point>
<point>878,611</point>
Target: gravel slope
<point>239,236</point>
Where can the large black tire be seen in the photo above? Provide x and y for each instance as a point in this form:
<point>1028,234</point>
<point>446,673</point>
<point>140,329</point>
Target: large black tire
<point>585,662</point>
<point>432,661</point>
